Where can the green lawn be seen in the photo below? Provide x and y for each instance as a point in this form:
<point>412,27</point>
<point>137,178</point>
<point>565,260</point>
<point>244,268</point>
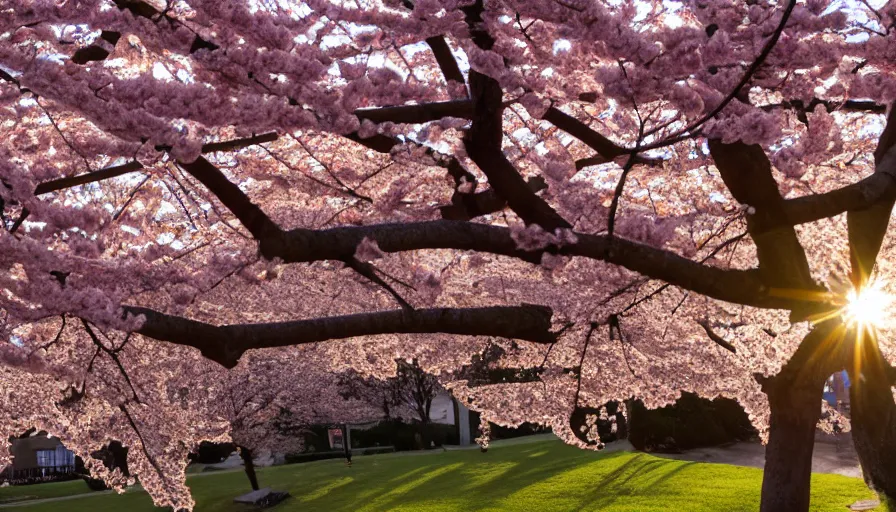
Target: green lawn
<point>51,490</point>
<point>543,476</point>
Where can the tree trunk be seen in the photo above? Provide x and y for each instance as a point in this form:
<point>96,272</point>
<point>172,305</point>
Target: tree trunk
<point>249,466</point>
<point>346,447</point>
<point>424,434</point>
<point>873,416</point>
<point>795,409</point>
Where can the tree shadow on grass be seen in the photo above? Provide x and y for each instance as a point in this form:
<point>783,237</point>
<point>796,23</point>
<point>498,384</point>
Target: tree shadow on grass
<point>559,483</point>
<point>500,479</point>
<point>406,491</point>
<point>490,481</point>
<point>637,477</point>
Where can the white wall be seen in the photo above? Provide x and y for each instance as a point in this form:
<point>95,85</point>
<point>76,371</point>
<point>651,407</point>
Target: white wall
<point>442,410</point>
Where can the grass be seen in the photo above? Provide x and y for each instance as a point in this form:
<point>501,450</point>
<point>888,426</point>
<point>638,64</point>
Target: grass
<point>50,490</point>
<point>543,476</point>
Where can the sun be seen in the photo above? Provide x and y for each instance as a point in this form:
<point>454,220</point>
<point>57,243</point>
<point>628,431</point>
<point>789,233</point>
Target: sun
<point>870,307</point>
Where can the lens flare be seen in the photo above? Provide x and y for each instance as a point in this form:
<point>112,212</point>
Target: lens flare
<point>870,307</point>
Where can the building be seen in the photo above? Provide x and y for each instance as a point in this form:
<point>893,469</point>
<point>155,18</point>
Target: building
<point>836,391</point>
<point>442,409</point>
<point>38,456</point>
<point>447,410</point>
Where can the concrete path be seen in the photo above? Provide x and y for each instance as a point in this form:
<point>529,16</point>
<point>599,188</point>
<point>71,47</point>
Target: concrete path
<point>26,503</point>
<point>834,456</point>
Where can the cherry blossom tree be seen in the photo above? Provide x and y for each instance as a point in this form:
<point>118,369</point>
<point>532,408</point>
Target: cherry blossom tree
<point>406,396</point>
<point>417,389</point>
<point>268,409</point>
<point>632,199</point>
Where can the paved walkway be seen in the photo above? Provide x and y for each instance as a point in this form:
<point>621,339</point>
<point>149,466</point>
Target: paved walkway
<point>25,503</point>
<point>835,456</point>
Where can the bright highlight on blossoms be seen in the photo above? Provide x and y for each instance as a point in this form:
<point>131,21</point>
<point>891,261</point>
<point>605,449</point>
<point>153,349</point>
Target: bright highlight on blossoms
<point>202,194</point>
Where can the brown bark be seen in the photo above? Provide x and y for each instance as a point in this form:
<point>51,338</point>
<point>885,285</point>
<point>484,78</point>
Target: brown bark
<point>795,409</point>
<point>794,396</point>
<point>873,415</point>
<point>249,466</point>
<point>872,407</point>
<point>226,344</point>
<point>747,173</point>
<point>346,446</point>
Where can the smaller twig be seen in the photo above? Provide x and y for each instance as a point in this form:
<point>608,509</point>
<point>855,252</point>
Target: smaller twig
<point>182,205</point>
<point>684,297</point>
<point>131,197</point>
<point>55,340</point>
<point>113,354</point>
<point>346,189</point>
<point>19,221</point>
<point>149,457</point>
<point>375,173</point>
<point>715,337</point>
<point>124,343</point>
<point>591,329</point>
<point>62,135</point>
<point>629,165</point>
<point>367,270</point>
<point>769,46</point>
<point>217,283</point>
<point>190,251</point>
<point>393,278</point>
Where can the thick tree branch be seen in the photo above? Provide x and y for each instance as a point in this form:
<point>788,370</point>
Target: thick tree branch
<point>226,344</point>
<point>445,59</point>
<point>607,149</point>
<point>871,397</point>
<point>470,206</point>
<point>406,114</point>
<point>738,286</point>
<point>463,206</point>
<point>379,142</point>
<point>90,177</point>
<point>442,53</point>
<point>483,144</point>
<point>230,145</point>
<point>867,227</point>
<point>418,113</point>
<point>747,173</point>
<point>249,214</point>
<point>880,187</point>
<point>119,170</point>
<point>604,146</point>
<point>484,139</point>
<point>802,109</point>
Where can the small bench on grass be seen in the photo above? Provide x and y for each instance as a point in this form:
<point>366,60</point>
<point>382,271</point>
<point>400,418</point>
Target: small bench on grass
<point>262,498</point>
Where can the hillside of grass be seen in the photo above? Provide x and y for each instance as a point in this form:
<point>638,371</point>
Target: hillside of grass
<point>544,476</point>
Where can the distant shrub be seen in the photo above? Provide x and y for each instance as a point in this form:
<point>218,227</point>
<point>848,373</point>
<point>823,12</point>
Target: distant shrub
<point>692,422</point>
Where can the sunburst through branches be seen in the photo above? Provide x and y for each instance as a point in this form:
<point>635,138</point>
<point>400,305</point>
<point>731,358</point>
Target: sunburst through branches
<point>869,308</point>
<point>863,310</point>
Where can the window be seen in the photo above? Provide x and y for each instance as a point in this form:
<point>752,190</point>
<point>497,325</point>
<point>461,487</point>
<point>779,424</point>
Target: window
<point>57,458</point>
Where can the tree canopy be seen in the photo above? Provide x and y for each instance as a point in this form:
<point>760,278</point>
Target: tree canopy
<point>631,199</point>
